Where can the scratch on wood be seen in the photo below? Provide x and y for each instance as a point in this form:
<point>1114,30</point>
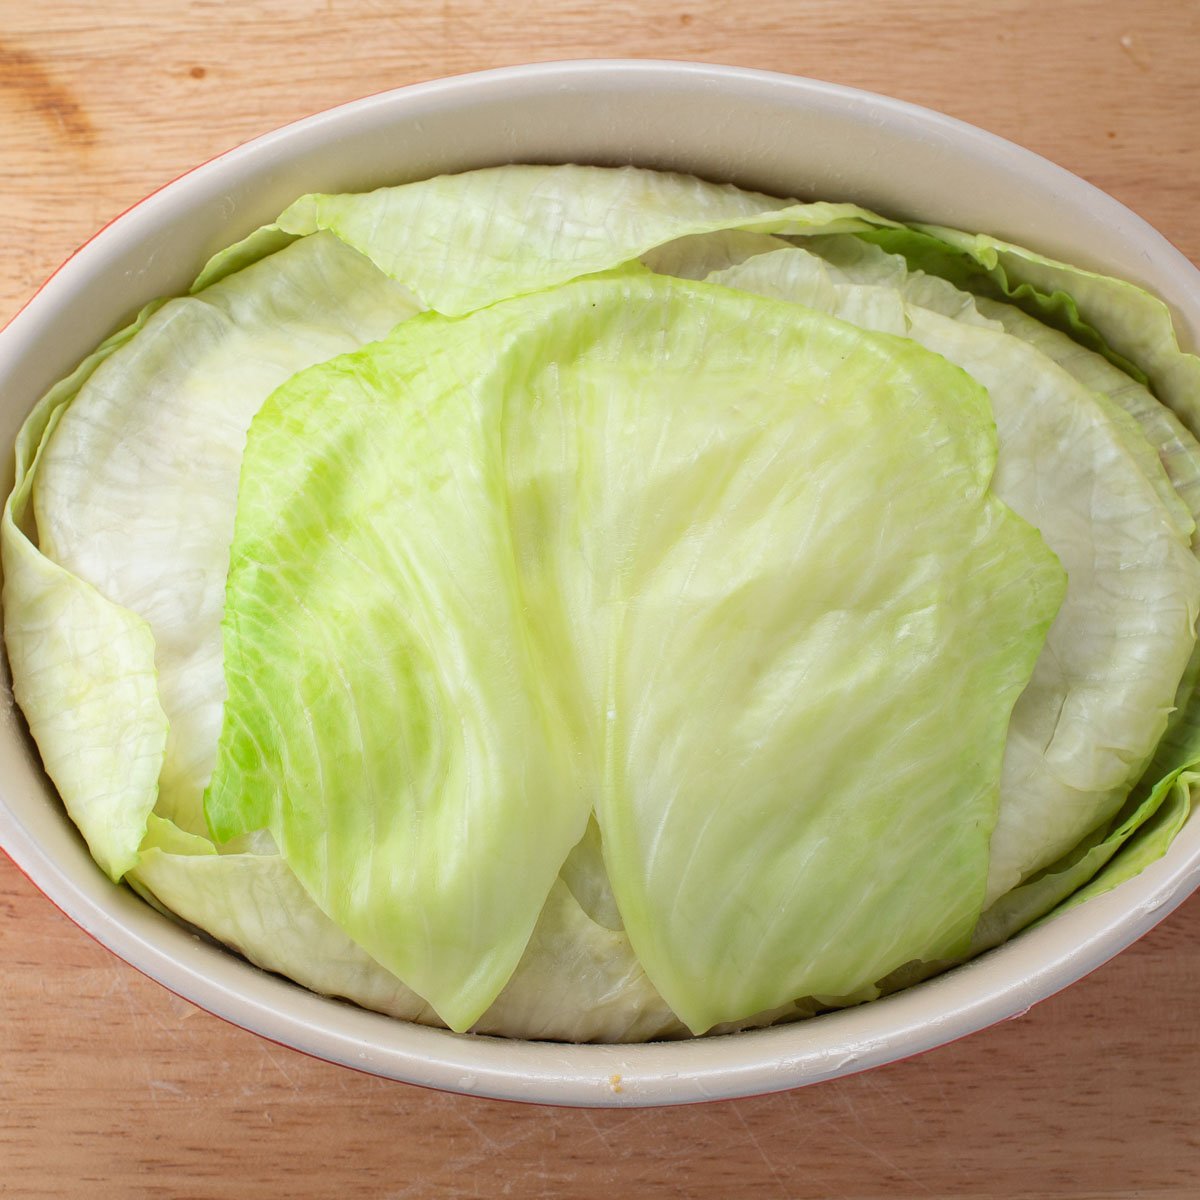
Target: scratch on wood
<point>281,1065</point>
<point>457,1167</point>
<point>892,1166</point>
<point>23,74</point>
<point>1135,50</point>
<point>774,1171</point>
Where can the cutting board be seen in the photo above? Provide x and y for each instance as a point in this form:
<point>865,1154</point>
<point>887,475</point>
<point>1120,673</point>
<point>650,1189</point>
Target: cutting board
<point>112,1086</point>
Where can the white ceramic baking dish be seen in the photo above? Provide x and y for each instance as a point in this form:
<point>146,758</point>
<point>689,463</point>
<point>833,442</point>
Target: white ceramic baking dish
<point>783,135</point>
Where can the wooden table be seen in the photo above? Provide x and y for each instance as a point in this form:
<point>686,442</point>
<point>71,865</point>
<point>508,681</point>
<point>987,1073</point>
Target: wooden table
<point>109,1086</point>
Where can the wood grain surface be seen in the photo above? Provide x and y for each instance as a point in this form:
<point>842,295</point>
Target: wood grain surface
<point>110,1086</point>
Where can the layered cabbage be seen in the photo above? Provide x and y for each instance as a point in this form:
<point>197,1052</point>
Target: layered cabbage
<point>602,605</point>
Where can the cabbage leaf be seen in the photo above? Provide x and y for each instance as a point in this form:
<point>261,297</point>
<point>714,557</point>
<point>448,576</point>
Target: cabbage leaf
<point>619,547</point>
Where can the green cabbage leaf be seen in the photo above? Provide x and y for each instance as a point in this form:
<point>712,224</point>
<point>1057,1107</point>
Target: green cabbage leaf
<point>579,552</point>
